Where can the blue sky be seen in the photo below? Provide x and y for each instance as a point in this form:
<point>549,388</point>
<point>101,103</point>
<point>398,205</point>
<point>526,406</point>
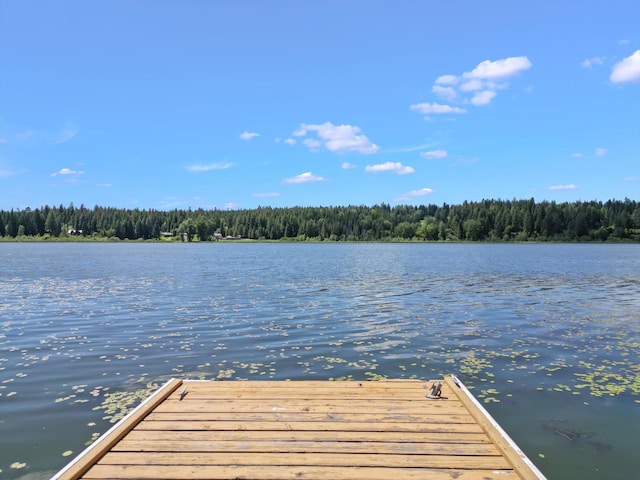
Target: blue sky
<point>240,104</point>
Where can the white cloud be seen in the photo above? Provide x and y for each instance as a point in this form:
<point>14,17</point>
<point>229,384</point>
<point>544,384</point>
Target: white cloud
<point>631,179</point>
<point>67,171</point>
<point>434,154</point>
<point>304,178</point>
<point>337,138</point>
<point>104,185</point>
<point>207,168</point>
<point>472,85</point>
<point>499,69</point>
<point>577,155</point>
<point>290,141</point>
<point>301,131</point>
<point>624,42</point>
<point>412,148</point>
<point>447,80</point>
<point>600,152</point>
<point>312,143</point>
<point>590,62</point>
<point>348,166</point>
<point>563,187</point>
<point>3,140</point>
<point>481,83</point>
<point>266,195</point>
<point>483,98</point>
<point>231,206</point>
<point>627,70</point>
<point>395,167</point>
<point>447,93</point>
<point>423,192</point>
<point>248,135</point>
<point>427,108</point>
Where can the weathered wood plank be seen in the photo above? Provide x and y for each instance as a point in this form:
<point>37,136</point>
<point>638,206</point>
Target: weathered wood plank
<point>308,447</point>
<point>309,390</point>
<point>283,416</point>
<point>398,406</point>
<point>312,426</point>
<point>250,458</point>
<point>203,437</point>
<point>172,472</point>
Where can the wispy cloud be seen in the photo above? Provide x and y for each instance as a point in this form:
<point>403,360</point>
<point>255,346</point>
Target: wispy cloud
<point>434,154</point>
<point>394,167</point>
<point>104,185</point>
<point>348,166</point>
<point>198,168</point>
<point>408,196</point>
<point>266,195</point>
<point>438,108</point>
<point>336,138</point>
<point>411,149</point>
<point>631,179</point>
<point>25,135</point>
<point>67,133</point>
<point>562,187</point>
<point>248,135</point>
<point>590,62</point>
<point>600,152</point>
<point>577,155</point>
<point>231,206</point>
<point>290,141</point>
<point>67,171</point>
<point>172,202</point>
<point>306,177</point>
<point>483,98</point>
<point>461,161</point>
<point>627,70</point>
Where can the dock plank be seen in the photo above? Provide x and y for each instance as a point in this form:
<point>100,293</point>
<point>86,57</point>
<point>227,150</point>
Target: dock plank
<point>337,459</point>
<point>307,446</point>
<point>284,436</point>
<point>171,472</point>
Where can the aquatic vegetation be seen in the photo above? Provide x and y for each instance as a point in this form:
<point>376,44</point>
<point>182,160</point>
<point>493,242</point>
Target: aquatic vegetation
<point>116,405</point>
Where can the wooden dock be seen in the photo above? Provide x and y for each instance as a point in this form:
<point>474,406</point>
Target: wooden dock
<point>366,430</point>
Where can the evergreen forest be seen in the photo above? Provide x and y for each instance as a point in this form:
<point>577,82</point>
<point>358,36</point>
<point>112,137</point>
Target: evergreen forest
<point>487,220</point>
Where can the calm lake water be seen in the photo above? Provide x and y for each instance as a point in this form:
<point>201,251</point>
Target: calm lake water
<point>548,336</point>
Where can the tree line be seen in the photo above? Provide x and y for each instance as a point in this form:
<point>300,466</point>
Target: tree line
<point>486,220</point>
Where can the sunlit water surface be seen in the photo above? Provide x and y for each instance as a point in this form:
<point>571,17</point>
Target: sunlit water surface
<point>547,336</point>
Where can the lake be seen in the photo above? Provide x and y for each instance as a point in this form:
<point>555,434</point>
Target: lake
<point>547,336</point>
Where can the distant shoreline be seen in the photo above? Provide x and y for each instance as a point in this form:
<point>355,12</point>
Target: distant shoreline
<point>26,239</point>
<point>494,221</point>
